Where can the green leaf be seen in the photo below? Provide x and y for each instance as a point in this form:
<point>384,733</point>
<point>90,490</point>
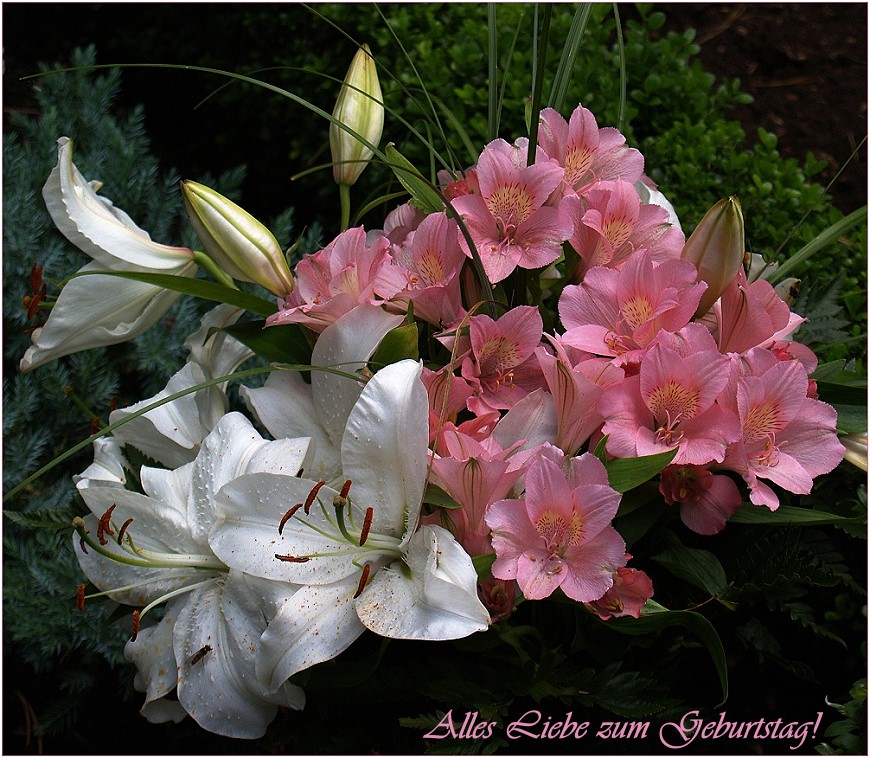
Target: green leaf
<point>851,419</point>
<point>787,514</point>
<point>483,565</point>
<point>197,288</point>
<point>425,197</point>
<point>654,619</point>
<point>398,344</point>
<point>625,474</point>
<point>434,495</point>
<point>828,236</point>
<point>285,343</point>
<point>698,567</point>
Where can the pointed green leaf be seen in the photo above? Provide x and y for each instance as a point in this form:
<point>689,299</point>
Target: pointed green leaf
<point>787,514</point>
<point>422,192</point>
<point>627,473</point>
<point>399,344</point>
<point>698,567</point>
<point>654,619</point>
<point>197,288</point>
<point>285,343</point>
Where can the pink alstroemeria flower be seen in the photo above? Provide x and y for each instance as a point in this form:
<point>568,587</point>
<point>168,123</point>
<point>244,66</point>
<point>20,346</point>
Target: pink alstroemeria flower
<point>671,403</point>
<point>628,595</point>
<point>348,272</point>
<point>618,313</point>
<point>501,365</point>
<point>788,438</point>
<point>707,500</point>
<point>561,534</point>
<point>587,153</point>
<point>749,315</point>
<point>576,389</point>
<point>615,225</point>
<point>474,474</point>
<point>431,260</point>
<point>507,220</point>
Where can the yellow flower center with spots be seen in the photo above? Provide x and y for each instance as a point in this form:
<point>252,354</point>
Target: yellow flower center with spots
<point>578,159</point>
<point>761,421</point>
<point>636,311</point>
<point>557,532</point>
<point>430,269</point>
<point>617,230</point>
<point>510,204</point>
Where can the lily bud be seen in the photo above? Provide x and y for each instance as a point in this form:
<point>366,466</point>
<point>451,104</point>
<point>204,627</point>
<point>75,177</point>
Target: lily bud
<point>360,106</point>
<point>238,243</point>
<point>716,248</point>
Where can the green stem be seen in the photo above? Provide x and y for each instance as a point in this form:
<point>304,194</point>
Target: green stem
<point>209,265</point>
<point>70,392</point>
<point>344,194</point>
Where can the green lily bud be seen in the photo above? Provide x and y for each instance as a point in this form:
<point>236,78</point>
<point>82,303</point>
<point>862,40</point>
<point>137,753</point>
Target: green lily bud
<point>359,106</point>
<point>238,243</point>
<point>716,247</point>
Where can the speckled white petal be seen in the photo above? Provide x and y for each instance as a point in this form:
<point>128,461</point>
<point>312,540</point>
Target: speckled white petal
<point>153,655</point>
<point>315,625</point>
<point>285,407</point>
<point>438,601</point>
<point>215,641</point>
<point>384,448</point>
<point>346,345</point>
<point>245,536</point>
<point>231,449</point>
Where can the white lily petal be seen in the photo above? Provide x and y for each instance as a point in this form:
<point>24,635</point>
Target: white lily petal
<point>384,448</point>
<point>315,625</point>
<point>107,468</point>
<point>233,448</point>
<point>171,487</point>
<point>215,637</point>
<point>153,655</point>
<point>346,345</point>
<point>649,196</point>
<point>170,434</point>
<point>217,353</point>
<point>150,583</point>
<point>93,311</point>
<point>246,538</point>
<point>94,226</point>
<point>438,601</point>
<point>285,407</point>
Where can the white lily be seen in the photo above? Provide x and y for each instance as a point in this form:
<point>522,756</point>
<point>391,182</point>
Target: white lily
<point>92,311</point>
<point>151,548</point>
<point>171,434</point>
<point>358,551</point>
<point>288,407</point>
<point>650,196</point>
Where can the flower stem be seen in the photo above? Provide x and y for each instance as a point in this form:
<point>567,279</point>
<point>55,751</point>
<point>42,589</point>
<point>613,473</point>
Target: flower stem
<point>344,194</point>
<point>209,265</point>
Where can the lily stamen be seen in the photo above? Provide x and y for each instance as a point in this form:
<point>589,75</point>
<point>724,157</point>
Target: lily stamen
<point>367,525</point>
<point>104,526</point>
<point>367,569</point>
<point>292,558</point>
<point>287,516</point>
<point>311,495</point>
<point>123,530</point>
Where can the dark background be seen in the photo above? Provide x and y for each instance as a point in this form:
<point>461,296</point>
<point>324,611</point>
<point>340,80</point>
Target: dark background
<point>804,63</point>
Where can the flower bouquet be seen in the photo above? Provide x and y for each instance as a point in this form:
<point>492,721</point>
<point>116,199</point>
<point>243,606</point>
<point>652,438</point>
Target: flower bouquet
<point>526,402</point>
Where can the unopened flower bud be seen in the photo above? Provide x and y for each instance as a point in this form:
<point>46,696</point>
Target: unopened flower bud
<point>238,243</point>
<point>716,248</point>
<point>360,107</point>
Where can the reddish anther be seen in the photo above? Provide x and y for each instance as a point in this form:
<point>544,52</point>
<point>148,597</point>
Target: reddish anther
<point>123,530</point>
<point>311,495</point>
<point>104,527</point>
<point>135,626</point>
<point>287,516</point>
<point>367,524</point>
<point>367,569</point>
<point>80,597</point>
<point>344,490</point>
<point>83,544</point>
<point>292,558</point>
